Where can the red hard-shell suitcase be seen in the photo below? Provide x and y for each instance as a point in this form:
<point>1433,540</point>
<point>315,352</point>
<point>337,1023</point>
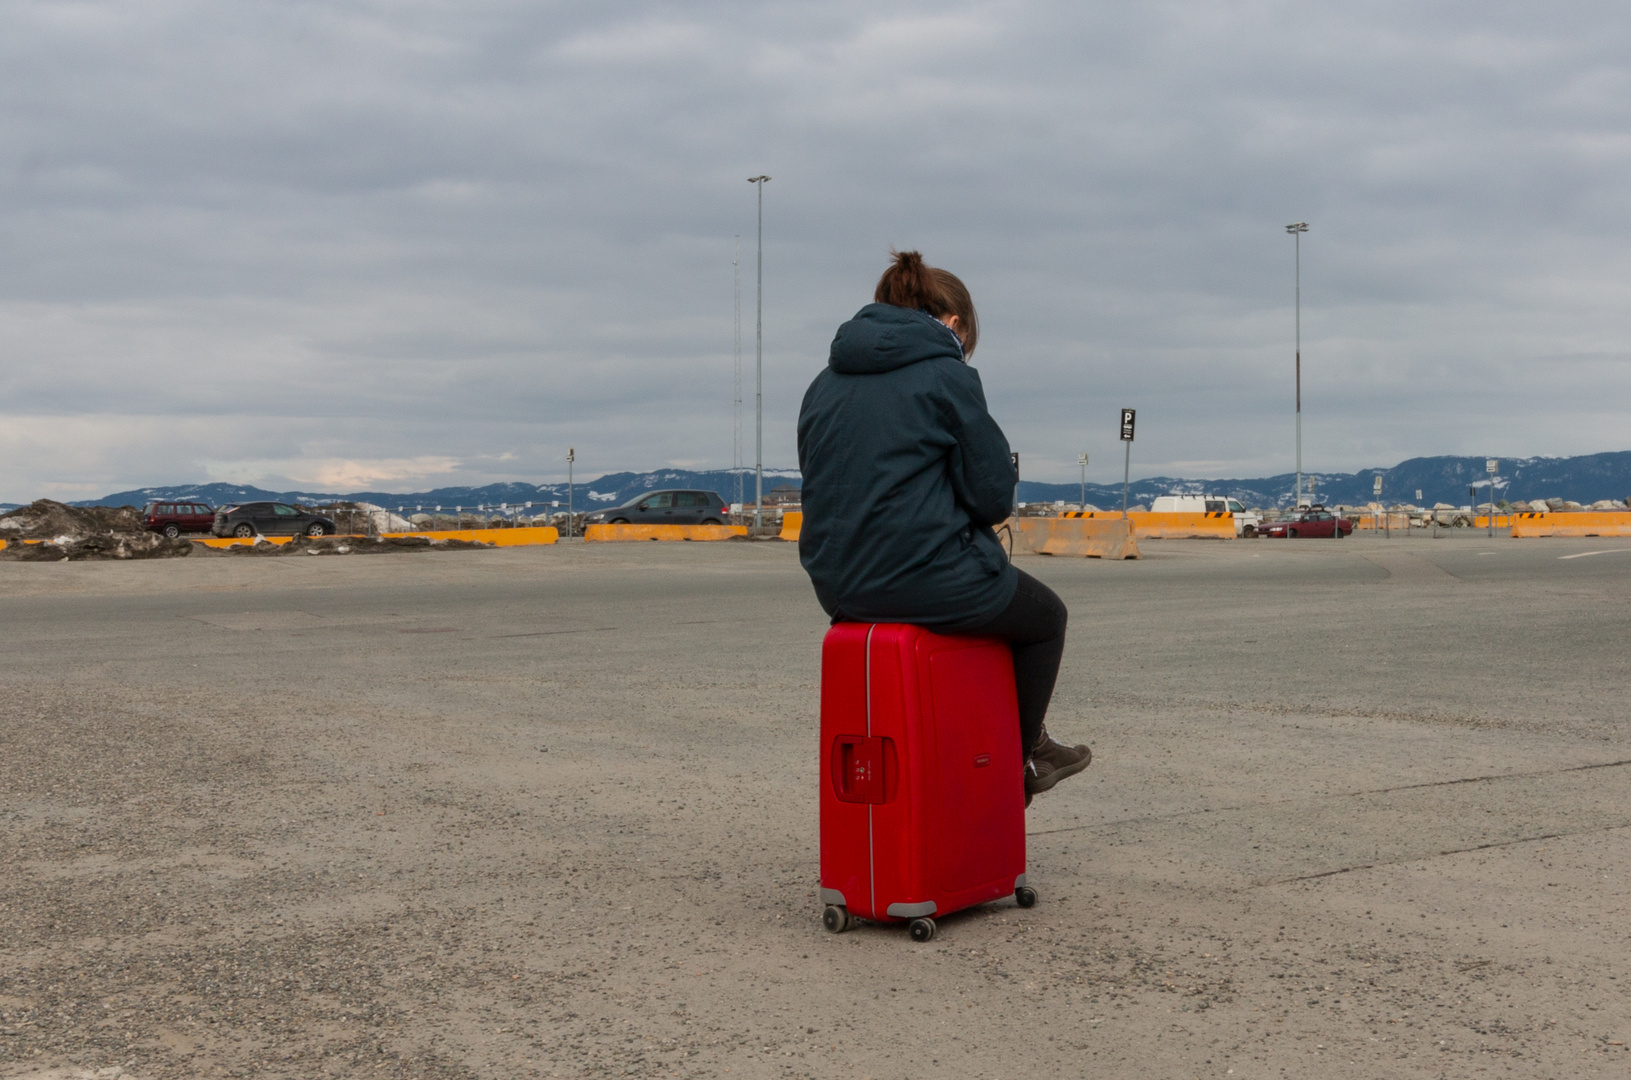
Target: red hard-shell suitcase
<point>922,797</point>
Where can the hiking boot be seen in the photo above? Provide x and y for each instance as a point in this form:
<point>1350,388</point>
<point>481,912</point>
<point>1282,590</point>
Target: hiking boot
<point>1051,761</point>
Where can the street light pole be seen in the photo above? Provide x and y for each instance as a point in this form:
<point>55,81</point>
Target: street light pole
<point>759,368</point>
<point>1296,229</point>
<point>1083,463</point>
<point>736,344</point>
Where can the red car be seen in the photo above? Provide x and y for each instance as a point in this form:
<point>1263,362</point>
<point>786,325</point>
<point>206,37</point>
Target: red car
<point>1315,521</point>
<point>174,518</point>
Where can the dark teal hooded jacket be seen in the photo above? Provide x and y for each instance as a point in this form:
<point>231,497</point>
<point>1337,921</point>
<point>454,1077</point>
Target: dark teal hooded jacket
<point>905,472</point>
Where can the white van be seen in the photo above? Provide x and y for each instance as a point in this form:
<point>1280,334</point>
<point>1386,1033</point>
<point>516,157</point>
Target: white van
<point>1246,521</point>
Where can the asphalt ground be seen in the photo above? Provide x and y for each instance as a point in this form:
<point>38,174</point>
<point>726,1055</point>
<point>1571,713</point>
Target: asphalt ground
<point>1359,808</point>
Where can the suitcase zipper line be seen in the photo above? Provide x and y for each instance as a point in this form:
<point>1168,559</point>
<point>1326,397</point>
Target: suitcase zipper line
<point>871,861</point>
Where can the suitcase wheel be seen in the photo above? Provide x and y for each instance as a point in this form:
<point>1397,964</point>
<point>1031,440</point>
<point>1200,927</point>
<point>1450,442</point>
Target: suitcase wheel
<point>837,919</point>
<point>921,929</point>
<point>1025,896</point>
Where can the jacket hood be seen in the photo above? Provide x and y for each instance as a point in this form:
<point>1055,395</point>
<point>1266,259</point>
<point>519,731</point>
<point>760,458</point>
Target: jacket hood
<point>883,338</point>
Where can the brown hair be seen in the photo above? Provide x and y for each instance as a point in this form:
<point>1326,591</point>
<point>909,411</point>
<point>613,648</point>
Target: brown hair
<point>910,283</point>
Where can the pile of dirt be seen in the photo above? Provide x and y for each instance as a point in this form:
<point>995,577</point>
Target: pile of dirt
<point>74,532</point>
<point>352,545</point>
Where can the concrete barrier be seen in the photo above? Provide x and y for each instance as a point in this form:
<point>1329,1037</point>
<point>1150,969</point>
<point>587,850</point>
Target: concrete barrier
<point>527,537</point>
<point>235,541</point>
<point>1572,523</point>
<point>792,524</point>
<point>1389,521</point>
<point>1101,538</point>
<point>620,533</point>
<point>1148,525</point>
<point>4,543</point>
<point>497,537</point>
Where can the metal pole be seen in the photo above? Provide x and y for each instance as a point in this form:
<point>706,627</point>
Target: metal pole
<point>1126,471</point>
<point>1084,482</point>
<point>759,368</point>
<point>571,456</point>
<point>1296,229</point>
<point>736,348</point>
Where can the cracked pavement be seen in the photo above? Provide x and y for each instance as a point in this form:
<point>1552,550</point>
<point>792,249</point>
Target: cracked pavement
<point>1357,809</point>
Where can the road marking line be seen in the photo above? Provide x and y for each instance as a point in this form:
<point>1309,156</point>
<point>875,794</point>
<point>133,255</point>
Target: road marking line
<point>1588,554</point>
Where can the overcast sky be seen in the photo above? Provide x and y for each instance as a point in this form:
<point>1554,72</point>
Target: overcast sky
<point>397,245</point>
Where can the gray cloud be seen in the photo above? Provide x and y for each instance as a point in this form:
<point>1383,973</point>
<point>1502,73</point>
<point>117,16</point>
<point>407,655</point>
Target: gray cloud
<point>441,242</point>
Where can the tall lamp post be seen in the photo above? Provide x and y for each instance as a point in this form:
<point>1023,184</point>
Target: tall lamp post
<point>1296,229</point>
<point>1082,461</point>
<point>759,367</point>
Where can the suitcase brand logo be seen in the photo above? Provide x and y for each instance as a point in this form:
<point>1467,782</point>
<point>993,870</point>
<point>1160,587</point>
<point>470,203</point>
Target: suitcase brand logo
<point>982,761</point>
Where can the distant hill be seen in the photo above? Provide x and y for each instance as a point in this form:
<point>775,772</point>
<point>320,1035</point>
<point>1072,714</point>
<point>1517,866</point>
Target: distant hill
<point>1440,479</point>
<point>613,489</point>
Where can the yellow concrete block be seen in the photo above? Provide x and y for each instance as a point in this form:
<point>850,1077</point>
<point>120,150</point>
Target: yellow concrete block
<point>233,541</point>
<point>1572,523</point>
<point>1391,521</point>
<point>1098,538</point>
<point>497,537</point>
<point>792,524</point>
<point>528,537</point>
<point>620,533</point>
<point>1149,525</point>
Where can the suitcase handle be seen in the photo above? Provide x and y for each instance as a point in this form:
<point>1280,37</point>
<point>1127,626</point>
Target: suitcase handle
<point>858,768</point>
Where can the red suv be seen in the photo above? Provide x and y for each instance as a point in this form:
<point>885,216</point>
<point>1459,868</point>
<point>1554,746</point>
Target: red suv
<point>174,518</point>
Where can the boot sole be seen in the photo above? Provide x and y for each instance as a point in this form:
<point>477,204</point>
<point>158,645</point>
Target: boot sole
<point>1046,783</point>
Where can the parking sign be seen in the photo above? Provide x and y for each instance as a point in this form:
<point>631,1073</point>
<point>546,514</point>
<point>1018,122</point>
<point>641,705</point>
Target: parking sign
<point>1127,418</point>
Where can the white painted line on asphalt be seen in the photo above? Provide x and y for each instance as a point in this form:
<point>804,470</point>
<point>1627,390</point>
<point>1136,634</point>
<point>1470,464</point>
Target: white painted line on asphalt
<point>1588,554</point>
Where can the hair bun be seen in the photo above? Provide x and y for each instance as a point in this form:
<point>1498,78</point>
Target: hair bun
<point>910,283</point>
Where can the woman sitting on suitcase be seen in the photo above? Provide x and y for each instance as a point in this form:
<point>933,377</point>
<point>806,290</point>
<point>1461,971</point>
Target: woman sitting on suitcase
<point>905,473</point>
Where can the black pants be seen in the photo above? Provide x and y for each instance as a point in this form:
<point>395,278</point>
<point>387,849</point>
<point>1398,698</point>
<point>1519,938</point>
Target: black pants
<point>1034,625</point>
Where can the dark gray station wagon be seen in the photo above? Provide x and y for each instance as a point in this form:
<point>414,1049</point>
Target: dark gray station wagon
<point>666,508</point>
<point>269,519</point>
